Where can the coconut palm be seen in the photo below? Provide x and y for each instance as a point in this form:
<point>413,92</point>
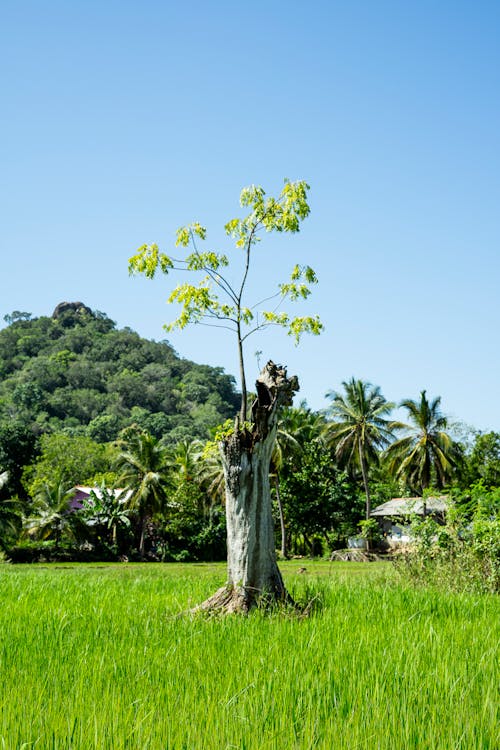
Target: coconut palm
<point>189,468</point>
<point>359,429</point>
<point>426,455</point>
<point>142,467</point>
<point>185,459</point>
<point>211,473</point>
<point>51,512</point>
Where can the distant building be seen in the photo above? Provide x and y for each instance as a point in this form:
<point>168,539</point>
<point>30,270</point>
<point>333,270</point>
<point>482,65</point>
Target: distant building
<point>83,493</point>
<point>393,516</point>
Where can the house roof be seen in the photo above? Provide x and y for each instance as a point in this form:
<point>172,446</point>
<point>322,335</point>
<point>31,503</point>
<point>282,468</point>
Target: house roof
<point>408,506</point>
<point>119,493</point>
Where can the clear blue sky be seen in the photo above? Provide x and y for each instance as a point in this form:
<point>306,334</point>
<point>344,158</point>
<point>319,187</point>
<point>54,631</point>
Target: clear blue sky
<point>123,120</point>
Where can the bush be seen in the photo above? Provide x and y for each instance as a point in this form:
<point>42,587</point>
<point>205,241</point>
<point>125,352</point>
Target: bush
<point>35,552</point>
<point>195,539</point>
<point>461,556</point>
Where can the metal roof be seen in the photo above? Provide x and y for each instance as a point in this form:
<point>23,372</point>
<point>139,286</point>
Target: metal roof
<point>119,493</point>
<point>408,506</point>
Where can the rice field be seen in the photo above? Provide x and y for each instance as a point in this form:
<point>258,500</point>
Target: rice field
<point>97,657</point>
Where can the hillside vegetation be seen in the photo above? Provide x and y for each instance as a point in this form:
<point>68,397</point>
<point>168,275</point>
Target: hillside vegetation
<point>76,372</point>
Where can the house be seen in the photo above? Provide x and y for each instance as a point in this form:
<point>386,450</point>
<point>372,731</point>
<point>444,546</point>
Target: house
<point>83,493</point>
<point>394,515</point>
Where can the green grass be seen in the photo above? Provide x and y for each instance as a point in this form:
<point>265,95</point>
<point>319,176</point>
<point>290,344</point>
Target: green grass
<point>96,657</point>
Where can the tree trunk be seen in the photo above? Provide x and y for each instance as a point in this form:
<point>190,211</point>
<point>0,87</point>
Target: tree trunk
<point>253,574</point>
<point>243,407</point>
<point>364,472</point>
<point>142,538</point>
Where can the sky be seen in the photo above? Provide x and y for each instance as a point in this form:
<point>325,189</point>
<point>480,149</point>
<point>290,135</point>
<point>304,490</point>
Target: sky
<point>122,121</point>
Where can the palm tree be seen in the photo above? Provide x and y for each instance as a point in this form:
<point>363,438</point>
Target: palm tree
<point>359,430</point>
<point>51,513</point>
<point>142,467</point>
<point>185,459</point>
<point>211,472</point>
<point>426,454</point>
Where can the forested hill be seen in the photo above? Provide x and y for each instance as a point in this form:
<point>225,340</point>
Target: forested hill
<point>75,372</point>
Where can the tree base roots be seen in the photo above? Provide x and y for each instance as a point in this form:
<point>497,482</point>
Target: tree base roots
<point>229,600</point>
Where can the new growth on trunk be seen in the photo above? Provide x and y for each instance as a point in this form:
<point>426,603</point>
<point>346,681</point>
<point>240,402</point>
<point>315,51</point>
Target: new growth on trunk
<point>253,574</point>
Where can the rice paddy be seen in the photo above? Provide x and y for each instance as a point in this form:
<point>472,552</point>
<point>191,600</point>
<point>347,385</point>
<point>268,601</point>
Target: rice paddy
<point>97,657</point>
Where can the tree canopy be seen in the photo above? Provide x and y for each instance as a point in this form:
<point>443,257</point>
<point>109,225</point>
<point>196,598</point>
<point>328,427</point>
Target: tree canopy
<point>426,455</point>
<point>216,300</point>
<point>359,427</point>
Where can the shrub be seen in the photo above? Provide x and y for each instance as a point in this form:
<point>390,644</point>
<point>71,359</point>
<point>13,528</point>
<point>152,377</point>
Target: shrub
<point>462,555</point>
<point>47,551</point>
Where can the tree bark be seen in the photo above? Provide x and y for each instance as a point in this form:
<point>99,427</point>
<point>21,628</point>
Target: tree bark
<point>253,574</point>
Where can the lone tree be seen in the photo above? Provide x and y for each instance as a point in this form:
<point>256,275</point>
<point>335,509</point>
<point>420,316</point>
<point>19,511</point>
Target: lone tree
<point>246,449</point>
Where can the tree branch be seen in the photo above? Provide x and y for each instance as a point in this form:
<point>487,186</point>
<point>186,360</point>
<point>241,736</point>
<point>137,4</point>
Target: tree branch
<point>216,276</point>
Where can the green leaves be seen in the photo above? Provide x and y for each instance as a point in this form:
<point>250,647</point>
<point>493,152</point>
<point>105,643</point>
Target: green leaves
<point>196,301</point>
<point>305,324</point>
<point>186,235</point>
<point>202,303</point>
<point>282,214</point>
<point>214,300</point>
<point>295,327</point>
<point>204,261</point>
<point>294,290</point>
<point>147,260</point>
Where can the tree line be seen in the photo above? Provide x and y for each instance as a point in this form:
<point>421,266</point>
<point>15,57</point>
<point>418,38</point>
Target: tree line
<point>328,469</point>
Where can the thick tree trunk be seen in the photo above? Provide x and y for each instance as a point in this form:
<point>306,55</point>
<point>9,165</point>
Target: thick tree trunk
<point>253,574</point>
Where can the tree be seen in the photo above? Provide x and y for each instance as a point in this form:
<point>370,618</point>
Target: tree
<point>15,316</point>
<point>106,509</point>
<point>285,445</point>
<point>218,301</point>
<point>18,446</point>
<point>296,429</point>
<point>185,459</point>
<point>73,459</point>
<point>359,429</point>
<point>10,514</point>
<point>215,300</point>
<point>318,498</point>
<point>186,469</point>
<point>426,455</point>
<point>483,464</point>
<point>211,475</point>
<point>142,467</point>
<point>50,515</point>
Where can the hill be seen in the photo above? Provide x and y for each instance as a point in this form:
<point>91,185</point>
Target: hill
<point>74,372</point>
